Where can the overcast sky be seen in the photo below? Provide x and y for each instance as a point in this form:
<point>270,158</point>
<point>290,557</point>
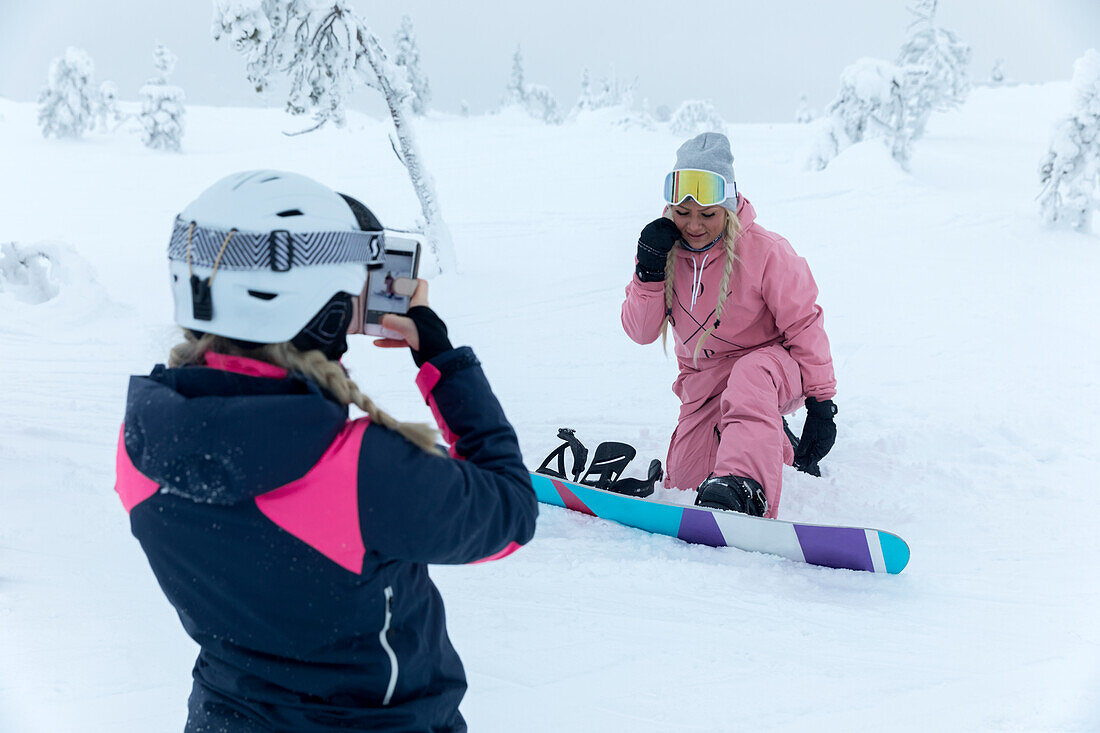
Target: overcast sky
<point>752,59</point>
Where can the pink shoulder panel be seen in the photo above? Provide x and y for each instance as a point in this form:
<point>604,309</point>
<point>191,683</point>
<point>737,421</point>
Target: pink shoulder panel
<point>132,486</point>
<point>322,508</point>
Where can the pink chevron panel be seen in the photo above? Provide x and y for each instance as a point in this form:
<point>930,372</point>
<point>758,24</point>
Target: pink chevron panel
<point>322,508</point>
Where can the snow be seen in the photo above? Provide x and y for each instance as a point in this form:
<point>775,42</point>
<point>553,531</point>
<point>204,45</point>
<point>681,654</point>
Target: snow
<point>964,338</point>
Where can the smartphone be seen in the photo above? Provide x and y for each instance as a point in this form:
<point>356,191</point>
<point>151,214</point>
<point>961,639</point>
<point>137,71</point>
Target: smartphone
<point>388,288</point>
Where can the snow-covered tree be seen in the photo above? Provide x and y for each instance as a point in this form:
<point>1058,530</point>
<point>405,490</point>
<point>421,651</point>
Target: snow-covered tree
<point>541,105</point>
<point>584,101</point>
<point>537,100</point>
<point>107,112</point>
<point>944,59</point>
<point>871,103</point>
<point>325,49</point>
<point>162,109</point>
<point>662,113</point>
<point>516,91</point>
<point>894,101</point>
<point>695,116</point>
<point>804,114</point>
<point>997,73</point>
<point>464,108</point>
<point>1070,172</point>
<point>609,91</point>
<point>408,56</point>
<point>66,106</point>
<point>313,45</point>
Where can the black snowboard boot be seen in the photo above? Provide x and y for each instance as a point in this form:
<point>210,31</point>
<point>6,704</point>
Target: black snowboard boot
<point>733,493</point>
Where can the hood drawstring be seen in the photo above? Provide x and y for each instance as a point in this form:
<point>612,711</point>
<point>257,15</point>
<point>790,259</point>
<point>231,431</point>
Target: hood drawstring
<point>697,279</point>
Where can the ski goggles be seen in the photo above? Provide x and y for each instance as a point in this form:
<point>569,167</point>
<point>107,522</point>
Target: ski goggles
<point>706,187</point>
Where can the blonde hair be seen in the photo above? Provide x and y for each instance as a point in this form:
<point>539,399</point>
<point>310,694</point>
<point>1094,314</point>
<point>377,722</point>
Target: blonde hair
<point>730,232</point>
<point>315,366</point>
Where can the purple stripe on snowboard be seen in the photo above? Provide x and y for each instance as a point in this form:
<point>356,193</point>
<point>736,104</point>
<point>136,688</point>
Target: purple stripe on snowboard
<point>699,527</point>
<point>835,547</point>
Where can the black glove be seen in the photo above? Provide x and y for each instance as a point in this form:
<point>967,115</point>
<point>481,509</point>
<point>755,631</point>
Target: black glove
<point>433,334</point>
<point>656,241</point>
<point>818,436</point>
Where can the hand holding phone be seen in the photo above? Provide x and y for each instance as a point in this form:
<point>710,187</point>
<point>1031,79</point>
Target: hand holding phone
<point>401,330</point>
<point>387,289</point>
<point>422,330</point>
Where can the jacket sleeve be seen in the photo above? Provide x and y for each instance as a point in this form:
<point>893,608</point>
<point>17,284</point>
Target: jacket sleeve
<point>644,310</point>
<point>427,508</point>
<point>791,294</point>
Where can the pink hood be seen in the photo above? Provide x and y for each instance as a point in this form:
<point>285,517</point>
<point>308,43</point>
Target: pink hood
<point>772,300</point>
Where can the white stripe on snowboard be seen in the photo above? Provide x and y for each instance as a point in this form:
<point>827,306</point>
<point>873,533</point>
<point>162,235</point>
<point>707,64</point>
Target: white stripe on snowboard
<point>875,547</point>
<point>759,535</point>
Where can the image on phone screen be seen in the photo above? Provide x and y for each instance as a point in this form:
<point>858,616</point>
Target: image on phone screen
<point>402,261</point>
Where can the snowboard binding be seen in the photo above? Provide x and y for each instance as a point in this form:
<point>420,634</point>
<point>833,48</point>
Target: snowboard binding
<point>580,456</point>
<point>608,464</point>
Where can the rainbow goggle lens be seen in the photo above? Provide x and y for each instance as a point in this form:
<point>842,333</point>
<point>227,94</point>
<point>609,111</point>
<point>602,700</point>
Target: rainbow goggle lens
<point>706,187</point>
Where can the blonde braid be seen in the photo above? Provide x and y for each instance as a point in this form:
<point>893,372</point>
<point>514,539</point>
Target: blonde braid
<point>330,375</point>
<point>670,270</point>
<point>314,365</point>
<point>729,240</point>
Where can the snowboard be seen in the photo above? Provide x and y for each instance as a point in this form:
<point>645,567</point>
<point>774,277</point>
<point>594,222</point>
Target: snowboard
<point>853,548</point>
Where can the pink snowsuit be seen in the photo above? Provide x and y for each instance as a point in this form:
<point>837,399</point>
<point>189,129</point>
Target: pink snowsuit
<point>768,353</point>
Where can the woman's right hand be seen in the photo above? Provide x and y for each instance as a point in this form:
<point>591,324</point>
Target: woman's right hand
<point>655,242</point>
<point>421,329</point>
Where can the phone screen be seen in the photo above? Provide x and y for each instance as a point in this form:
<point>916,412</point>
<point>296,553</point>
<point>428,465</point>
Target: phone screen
<point>381,296</point>
<point>387,287</point>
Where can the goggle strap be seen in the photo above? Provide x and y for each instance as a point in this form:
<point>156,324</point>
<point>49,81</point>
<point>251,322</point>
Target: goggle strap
<point>279,250</point>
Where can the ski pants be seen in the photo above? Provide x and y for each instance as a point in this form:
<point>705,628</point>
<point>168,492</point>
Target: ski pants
<point>731,421</point>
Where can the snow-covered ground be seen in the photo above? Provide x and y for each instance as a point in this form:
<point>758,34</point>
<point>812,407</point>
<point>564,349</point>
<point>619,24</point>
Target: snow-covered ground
<point>965,341</point>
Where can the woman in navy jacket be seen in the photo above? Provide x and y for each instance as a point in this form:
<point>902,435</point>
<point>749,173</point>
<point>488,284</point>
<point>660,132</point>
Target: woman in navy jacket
<point>292,541</point>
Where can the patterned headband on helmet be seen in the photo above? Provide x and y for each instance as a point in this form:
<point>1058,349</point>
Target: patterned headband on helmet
<point>278,250</point>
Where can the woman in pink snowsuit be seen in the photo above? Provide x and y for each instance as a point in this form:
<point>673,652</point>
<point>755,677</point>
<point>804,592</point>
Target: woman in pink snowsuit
<point>748,336</point>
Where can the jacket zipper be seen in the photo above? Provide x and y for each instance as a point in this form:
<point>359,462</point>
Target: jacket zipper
<point>388,592</point>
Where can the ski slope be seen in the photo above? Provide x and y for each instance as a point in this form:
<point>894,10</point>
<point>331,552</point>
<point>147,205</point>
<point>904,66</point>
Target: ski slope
<point>965,341</point>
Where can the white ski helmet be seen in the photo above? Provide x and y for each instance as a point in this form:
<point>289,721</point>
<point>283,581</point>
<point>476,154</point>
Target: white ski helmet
<point>259,253</point>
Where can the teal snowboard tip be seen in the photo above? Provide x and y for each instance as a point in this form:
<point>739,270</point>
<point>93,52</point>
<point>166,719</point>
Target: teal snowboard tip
<point>895,553</point>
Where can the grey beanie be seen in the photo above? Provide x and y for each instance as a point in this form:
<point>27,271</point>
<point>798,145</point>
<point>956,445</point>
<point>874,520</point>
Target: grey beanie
<point>710,151</point>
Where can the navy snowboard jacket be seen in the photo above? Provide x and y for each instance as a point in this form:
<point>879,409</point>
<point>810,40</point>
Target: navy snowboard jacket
<point>294,543</point>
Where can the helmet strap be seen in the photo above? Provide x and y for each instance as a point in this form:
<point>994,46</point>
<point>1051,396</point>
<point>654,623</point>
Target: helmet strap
<point>202,299</point>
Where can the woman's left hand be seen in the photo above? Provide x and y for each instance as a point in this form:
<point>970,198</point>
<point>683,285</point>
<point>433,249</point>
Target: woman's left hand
<point>818,436</point>
<point>404,325</point>
<point>421,329</point>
